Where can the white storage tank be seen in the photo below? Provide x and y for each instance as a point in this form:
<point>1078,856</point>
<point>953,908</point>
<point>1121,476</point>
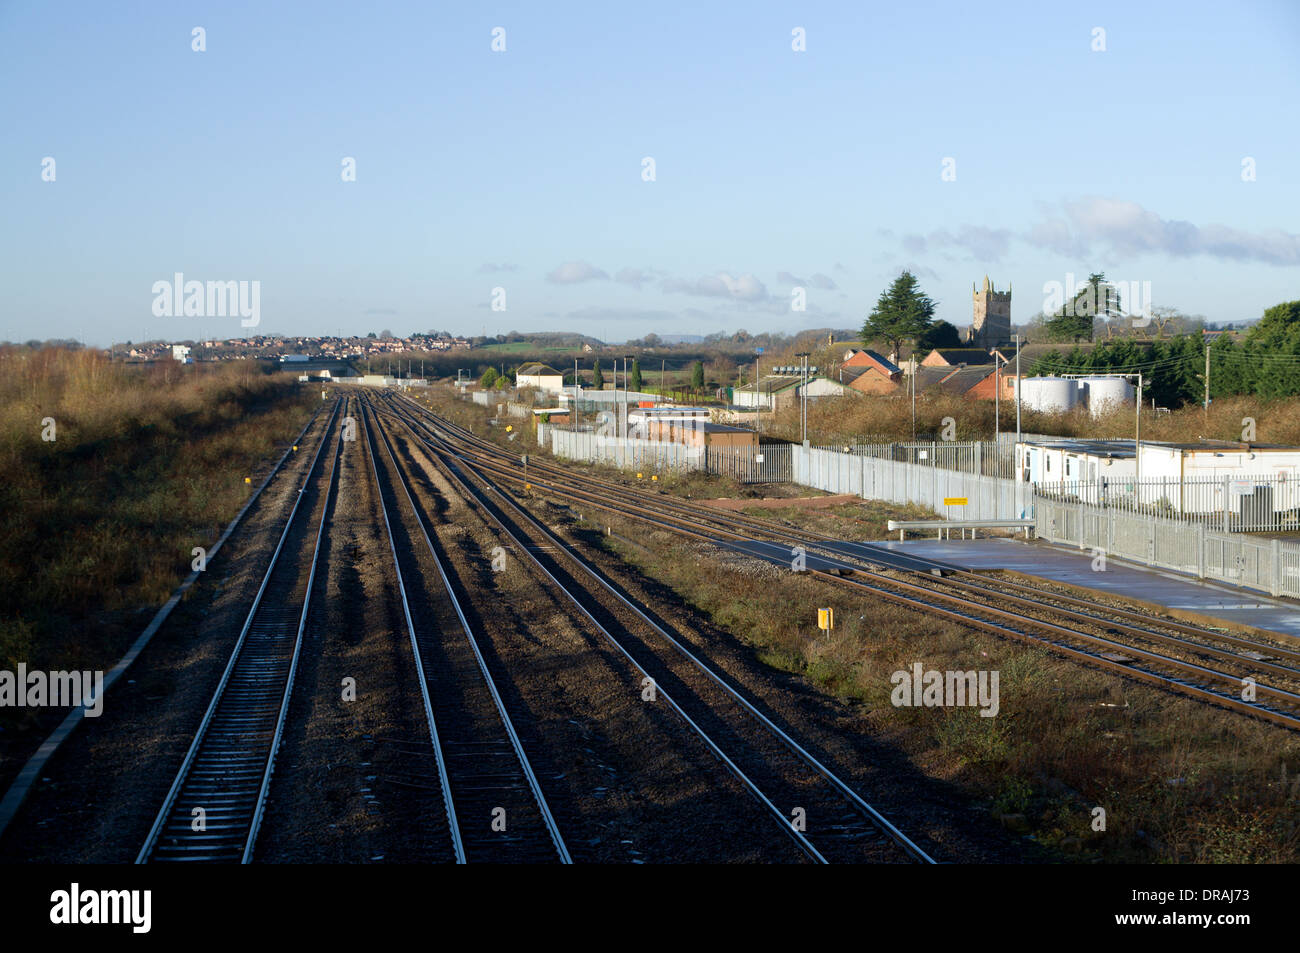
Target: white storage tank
<point>1104,394</point>
<point>1049,394</point>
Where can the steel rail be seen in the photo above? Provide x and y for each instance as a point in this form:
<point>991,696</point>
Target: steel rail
<point>534,785</point>
<point>1237,704</point>
<point>954,576</point>
<point>22,783</point>
<point>148,850</point>
<point>860,805</point>
<point>457,842</point>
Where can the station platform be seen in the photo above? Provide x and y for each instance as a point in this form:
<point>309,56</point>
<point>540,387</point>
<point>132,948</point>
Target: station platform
<point>1185,596</point>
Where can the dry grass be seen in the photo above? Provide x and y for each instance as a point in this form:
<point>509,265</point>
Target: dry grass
<point>1179,781</point>
<point>867,418</point>
<point>147,463</point>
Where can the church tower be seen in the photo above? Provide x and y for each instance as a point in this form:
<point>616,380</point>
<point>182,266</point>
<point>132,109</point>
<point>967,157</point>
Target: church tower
<point>992,325</point>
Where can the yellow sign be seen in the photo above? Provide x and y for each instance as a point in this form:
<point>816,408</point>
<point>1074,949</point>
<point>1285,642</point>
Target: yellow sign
<point>509,428</point>
<point>955,500</point>
<point>825,619</point>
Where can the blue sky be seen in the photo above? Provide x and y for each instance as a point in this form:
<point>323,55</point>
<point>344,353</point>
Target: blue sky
<point>522,169</point>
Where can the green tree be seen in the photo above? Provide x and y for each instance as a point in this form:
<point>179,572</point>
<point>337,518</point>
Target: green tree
<point>489,378</point>
<point>1096,298</point>
<point>1279,329</point>
<point>597,378</point>
<point>697,376</point>
<point>902,313</point>
<point>636,374</point>
<point>941,334</point>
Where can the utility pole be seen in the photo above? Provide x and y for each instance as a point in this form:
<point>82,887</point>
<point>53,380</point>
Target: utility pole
<point>803,393</point>
<point>1137,437</point>
<point>1018,382</point>
<point>573,417</point>
<point>1207,382</point>
<point>997,403</point>
<point>913,359</point>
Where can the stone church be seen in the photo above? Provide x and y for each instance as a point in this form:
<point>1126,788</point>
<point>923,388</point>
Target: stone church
<point>992,326</point>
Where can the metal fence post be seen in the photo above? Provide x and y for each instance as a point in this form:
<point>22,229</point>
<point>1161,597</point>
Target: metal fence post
<point>1225,504</point>
<point>1200,550</point>
<point>1276,575</point>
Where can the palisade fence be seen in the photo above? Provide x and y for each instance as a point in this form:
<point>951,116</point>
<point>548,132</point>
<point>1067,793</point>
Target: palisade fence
<point>767,463</point>
<point>1138,523</point>
<point>1267,564</point>
<point>988,457</point>
<point>591,447</point>
<point>1233,504</point>
<point>987,497</point>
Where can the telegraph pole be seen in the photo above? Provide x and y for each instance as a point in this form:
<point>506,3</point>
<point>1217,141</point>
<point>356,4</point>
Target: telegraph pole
<point>997,402</point>
<point>1207,381</point>
<point>1018,383</point>
<point>913,376</point>
<point>1137,437</point>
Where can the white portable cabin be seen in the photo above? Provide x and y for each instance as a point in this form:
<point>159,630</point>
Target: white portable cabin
<point>1218,459</point>
<point>1260,480</point>
<point>1093,462</point>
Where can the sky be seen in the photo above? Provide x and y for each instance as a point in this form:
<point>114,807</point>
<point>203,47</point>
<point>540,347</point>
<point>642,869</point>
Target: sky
<point>509,189</point>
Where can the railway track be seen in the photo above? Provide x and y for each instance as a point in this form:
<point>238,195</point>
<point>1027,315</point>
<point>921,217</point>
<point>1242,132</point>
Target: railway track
<point>824,816</point>
<point>1172,655</point>
<point>495,807</point>
<point>214,807</point>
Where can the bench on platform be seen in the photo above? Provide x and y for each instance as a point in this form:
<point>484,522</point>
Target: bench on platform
<point>945,527</point>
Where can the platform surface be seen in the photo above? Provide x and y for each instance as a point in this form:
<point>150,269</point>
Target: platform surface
<point>1072,566</point>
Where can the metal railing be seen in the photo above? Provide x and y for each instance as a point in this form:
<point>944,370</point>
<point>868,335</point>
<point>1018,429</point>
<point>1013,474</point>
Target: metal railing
<point>767,463</point>
<point>1232,504</point>
<point>1270,565</point>
<point>985,457</point>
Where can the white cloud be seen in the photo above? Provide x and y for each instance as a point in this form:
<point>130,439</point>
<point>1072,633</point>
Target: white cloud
<point>490,269</point>
<point>722,285</point>
<point>818,280</point>
<point>981,243</point>
<point>574,272</point>
<point>636,277</point>
<point>1129,229</point>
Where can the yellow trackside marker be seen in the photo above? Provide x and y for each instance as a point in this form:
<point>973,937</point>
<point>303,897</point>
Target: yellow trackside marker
<point>528,486</point>
<point>826,619</point>
<point>955,500</point>
<point>295,446</point>
<point>248,479</point>
<point>509,428</point>
<point>654,477</point>
<point>638,476</point>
